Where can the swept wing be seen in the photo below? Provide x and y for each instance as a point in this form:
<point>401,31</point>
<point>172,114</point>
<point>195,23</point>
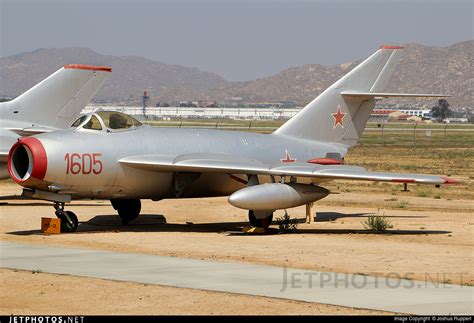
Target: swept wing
<point>217,163</point>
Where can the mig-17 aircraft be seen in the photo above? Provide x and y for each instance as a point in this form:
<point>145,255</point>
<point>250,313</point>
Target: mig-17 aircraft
<point>111,155</point>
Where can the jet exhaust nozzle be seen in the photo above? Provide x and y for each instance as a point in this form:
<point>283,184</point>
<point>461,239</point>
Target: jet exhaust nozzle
<point>276,196</point>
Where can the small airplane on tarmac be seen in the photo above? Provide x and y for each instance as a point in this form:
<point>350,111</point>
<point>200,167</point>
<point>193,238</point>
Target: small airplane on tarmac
<point>110,155</point>
<point>50,105</point>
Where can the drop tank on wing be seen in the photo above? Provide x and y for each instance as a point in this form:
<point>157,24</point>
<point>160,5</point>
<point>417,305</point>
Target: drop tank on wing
<point>276,196</point>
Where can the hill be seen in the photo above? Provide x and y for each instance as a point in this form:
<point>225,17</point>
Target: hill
<point>130,77</point>
<point>423,69</point>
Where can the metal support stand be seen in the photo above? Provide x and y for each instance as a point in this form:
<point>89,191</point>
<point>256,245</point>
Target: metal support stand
<point>405,187</point>
<point>309,215</point>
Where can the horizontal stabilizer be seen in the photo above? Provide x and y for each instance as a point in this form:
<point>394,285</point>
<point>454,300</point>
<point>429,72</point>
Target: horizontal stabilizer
<point>390,95</point>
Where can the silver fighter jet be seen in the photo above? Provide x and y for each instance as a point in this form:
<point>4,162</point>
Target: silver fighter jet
<point>110,155</point>
<point>50,105</point>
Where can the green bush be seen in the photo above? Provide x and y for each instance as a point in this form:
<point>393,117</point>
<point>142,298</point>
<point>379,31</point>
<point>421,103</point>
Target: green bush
<point>286,224</point>
<point>377,223</point>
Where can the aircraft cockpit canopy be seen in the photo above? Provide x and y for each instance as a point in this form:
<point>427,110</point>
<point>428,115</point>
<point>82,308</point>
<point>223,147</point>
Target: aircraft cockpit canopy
<point>109,120</point>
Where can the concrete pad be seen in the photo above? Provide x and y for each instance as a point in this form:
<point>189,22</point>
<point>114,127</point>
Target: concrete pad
<point>378,293</point>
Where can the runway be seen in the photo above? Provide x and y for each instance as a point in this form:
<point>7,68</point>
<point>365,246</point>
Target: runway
<point>359,291</point>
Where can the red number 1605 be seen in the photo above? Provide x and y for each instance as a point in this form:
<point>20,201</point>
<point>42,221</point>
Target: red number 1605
<point>83,163</point>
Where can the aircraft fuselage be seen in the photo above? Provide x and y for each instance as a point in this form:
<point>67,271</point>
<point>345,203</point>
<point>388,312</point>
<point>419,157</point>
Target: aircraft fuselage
<point>86,162</point>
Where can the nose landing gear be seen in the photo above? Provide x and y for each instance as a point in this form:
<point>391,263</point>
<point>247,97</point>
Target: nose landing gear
<point>69,221</point>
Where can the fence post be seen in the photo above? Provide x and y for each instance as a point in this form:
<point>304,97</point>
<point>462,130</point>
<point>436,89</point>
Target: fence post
<point>383,141</point>
<point>414,132</point>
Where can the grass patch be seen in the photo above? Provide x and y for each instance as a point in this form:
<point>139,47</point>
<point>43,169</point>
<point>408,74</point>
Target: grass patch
<point>424,193</point>
<point>402,205</point>
<point>377,223</point>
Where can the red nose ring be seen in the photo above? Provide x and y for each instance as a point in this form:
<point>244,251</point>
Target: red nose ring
<point>36,156</point>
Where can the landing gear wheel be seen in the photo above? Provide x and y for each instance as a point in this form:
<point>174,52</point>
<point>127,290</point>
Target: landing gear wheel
<point>128,210</point>
<point>260,223</point>
<point>69,221</point>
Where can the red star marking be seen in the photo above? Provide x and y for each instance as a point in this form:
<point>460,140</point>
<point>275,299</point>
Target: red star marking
<point>338,117</point>
<point>288,158</point>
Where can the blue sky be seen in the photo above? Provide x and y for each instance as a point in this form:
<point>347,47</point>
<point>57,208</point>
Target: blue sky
<point>239,40</point>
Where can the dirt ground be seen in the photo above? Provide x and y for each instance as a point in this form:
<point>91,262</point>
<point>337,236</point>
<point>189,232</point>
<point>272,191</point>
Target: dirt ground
<point>431,239</point>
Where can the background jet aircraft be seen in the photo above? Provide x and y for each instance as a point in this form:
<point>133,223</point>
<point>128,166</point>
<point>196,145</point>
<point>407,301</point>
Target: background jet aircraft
<point>110,155</point>
<point>52,104</point>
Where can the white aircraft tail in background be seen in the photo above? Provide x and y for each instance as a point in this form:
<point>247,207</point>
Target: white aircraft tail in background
<point>49,105</point>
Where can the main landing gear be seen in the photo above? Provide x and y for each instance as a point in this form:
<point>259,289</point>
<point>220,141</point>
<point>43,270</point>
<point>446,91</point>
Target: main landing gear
<point>261,222</point>
<point>69,221</point>
<point>128,210</point>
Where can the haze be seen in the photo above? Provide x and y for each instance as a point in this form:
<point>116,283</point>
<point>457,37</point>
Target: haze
<point>239,40</point>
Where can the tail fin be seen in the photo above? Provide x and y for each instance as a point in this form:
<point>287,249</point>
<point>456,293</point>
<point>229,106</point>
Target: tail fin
<point>336,117</point>
<point>60,97</point>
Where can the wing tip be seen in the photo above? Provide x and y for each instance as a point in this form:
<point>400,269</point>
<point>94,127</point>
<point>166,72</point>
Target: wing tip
<point>391,47</point>
<point>88,67</point>
<point>448,180</point>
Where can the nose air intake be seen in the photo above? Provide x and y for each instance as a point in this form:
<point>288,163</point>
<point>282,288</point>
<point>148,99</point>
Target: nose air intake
<point>27,159</point>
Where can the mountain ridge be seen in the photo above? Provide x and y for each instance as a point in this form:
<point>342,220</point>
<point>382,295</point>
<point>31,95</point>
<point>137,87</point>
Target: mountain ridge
<point>423,69</point>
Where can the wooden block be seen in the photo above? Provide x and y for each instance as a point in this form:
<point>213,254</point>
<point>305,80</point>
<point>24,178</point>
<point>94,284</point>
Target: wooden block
<point>51,225</point>
<point>253,230</point>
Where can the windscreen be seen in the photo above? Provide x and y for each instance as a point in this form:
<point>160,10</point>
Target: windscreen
<point>117,120</point>
<point>79,121</point>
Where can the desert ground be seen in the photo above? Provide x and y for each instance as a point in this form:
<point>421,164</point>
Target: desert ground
<point>431,238</point>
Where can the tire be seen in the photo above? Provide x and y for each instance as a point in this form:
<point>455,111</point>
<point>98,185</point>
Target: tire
<point>128,210</point>
<point>67,226</point>
<point>260,223</point>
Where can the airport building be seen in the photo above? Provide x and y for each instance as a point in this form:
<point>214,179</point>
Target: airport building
<point>272,113</point>
<point>205,113</point>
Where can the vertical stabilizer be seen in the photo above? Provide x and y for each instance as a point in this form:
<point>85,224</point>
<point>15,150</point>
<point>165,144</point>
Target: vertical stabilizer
<point>335,117</point>
<point>59,98</point>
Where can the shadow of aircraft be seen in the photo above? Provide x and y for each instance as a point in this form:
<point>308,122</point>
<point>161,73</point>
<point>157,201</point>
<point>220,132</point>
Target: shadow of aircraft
<point>331,216</point>
<point>158,223</point>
